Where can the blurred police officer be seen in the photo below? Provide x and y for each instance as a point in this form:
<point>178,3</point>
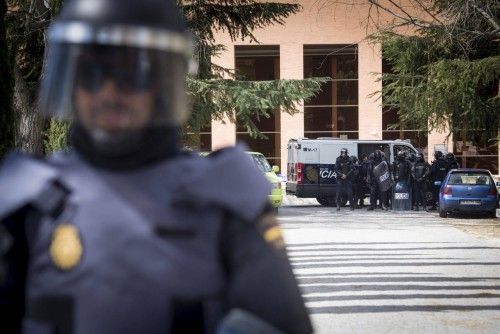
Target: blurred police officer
<point>127,234</point>
<point>452,161</point>
<point>344,170</point>
<point>439,169</point>
<point>420,173</point>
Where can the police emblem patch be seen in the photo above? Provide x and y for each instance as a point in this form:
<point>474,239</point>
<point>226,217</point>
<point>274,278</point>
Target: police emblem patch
<point>271,232</point>
<point>66,247</point>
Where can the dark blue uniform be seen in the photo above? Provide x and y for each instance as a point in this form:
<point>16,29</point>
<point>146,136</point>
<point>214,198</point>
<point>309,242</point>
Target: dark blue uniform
<point>344,170</point>
<point>376,192</point>
<point>169,248</point>
<point>420,174</point>
<point>439,169</point>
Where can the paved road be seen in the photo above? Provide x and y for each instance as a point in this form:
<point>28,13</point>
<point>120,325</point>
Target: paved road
<point>386,272</point>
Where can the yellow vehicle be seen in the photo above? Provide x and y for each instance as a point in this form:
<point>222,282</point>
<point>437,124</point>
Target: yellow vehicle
<point>276,195</point>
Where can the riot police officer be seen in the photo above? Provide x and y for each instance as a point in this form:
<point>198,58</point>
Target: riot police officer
<point>126,233</point>
<point>379,180</point>
<point>411,158</point>
<point>401,191</point>
<point>420,173</point>
<point>365,164</point>
<point>357,181</point>
<point>452,161</point>
<point>439,169</point>
<point>344,170</point>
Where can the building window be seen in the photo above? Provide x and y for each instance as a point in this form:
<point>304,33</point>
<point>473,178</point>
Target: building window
<point>393,129</point>
<point>334,111</point>
<point>475,149</point>
<point>258,63</point>
<point>200,140</point>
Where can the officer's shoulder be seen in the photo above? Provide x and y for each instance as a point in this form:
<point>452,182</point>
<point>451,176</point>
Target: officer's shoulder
<point>227,178</point>
<point>23,178</point>
<point>232,160</point>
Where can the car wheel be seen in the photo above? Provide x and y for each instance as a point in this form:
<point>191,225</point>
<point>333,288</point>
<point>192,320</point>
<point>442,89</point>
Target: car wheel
<point>442,213</point>
<point>429,197</point>
<point>323,201</point>
<point>332,201</point>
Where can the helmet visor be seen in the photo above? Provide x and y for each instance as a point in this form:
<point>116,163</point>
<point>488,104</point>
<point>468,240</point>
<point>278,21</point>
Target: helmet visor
<point>114,88</point>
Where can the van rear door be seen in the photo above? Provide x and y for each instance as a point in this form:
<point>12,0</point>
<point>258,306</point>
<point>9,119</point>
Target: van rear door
<point>309,159</point>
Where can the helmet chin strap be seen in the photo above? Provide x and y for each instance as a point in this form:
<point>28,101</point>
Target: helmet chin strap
<point>127,149</point>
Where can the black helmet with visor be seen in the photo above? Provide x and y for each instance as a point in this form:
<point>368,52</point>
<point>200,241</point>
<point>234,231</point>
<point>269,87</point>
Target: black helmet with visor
<point>117,69</point>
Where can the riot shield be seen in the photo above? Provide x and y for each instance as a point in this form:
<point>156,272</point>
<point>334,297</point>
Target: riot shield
<point>401,196</point>
<point>381,172</point>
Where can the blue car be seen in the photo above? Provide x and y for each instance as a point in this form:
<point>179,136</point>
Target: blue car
<point>468,191</point>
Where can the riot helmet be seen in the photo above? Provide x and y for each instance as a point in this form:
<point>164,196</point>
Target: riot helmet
<point>344,152</point>
<point>354,159</point>
<point>420,157</point>
<point>401,155</point>
<point>377,156</point>
<point>438,155</point>
<point>117,71</point>
<point>450,157</point>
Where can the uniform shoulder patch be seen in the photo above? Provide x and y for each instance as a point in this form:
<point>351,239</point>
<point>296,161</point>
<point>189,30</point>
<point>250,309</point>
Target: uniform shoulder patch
<point>270,230</point>
<point>66,248</point>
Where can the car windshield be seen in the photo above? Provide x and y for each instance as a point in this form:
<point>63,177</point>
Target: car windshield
<point>261,162</point>
<point>469,179</point>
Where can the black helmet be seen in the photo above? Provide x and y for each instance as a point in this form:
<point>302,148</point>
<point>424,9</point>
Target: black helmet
<point>438,155</point>
<point>377,156</point>
<point>344,151</point>
<point>450,156</point>
<point>354,159</point>
<point>401,155</point>
<point>118,69</point>
<point>420,157</point>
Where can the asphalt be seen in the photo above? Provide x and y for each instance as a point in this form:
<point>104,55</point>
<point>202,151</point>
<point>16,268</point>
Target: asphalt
<point>392,272</point>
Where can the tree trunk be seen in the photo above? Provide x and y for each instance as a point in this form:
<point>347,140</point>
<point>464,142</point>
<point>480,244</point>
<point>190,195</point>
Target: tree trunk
<point>30,125</point>
<point>7,116</point>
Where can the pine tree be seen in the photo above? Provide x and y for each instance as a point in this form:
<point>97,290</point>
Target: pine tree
<point>216,97</point>
<point>446,74</point>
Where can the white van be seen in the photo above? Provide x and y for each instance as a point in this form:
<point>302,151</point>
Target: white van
<point>311,162</point>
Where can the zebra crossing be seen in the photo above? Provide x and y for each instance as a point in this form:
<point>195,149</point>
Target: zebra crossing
<point>384,272</point>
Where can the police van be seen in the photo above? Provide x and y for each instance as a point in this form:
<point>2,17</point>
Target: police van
<point>311,163</point>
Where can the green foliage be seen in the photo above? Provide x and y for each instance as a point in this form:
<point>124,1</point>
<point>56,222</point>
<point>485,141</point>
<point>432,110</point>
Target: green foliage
<point>56,136</point>
<point>447,73</point>
<point>247,100</point>
<point>238,17</point>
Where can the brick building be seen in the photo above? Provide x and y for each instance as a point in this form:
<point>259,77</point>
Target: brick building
<point>326,41</point>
